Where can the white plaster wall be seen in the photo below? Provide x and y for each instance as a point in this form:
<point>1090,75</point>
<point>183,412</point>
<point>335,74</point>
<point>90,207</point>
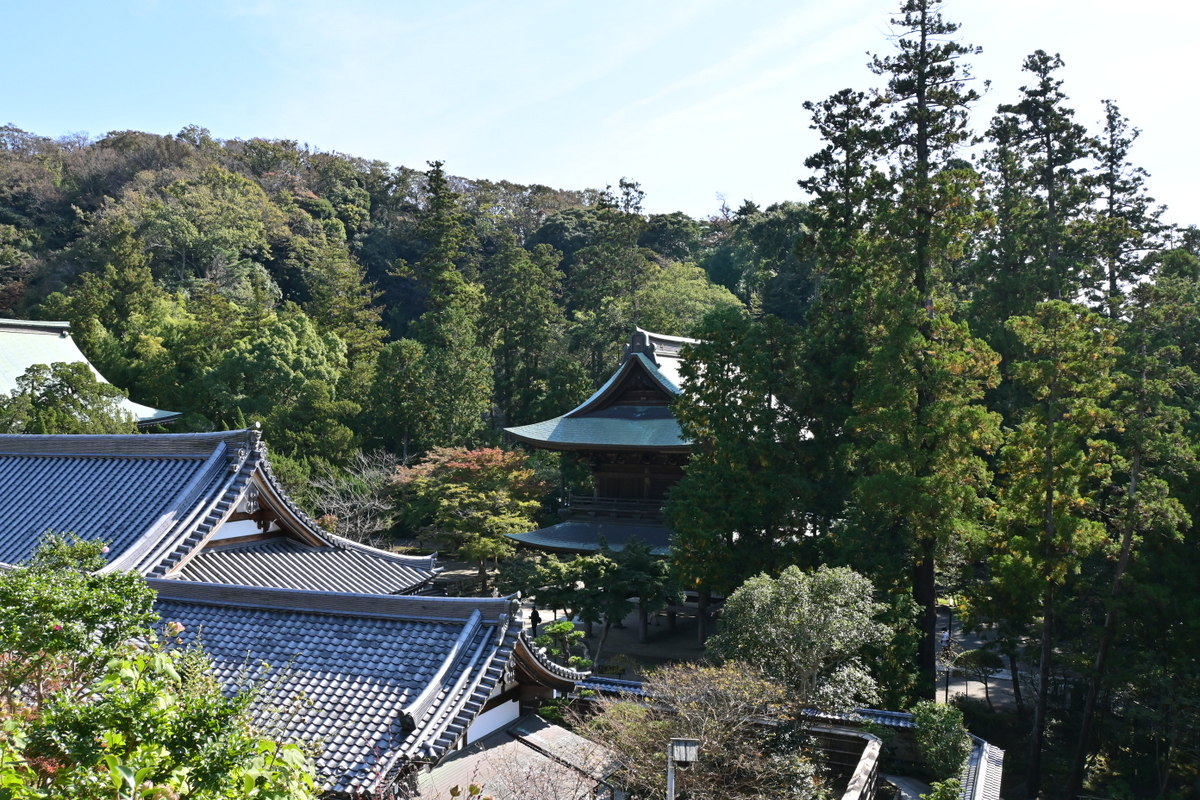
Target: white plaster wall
<point>230,530</point>
<point>493,720</point>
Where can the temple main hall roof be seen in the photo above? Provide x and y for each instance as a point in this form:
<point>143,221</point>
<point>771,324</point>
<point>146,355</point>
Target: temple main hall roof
<point>25,343</point>
<point>631,411</point>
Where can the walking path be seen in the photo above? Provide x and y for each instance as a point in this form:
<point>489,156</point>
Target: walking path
<point>910,788</point>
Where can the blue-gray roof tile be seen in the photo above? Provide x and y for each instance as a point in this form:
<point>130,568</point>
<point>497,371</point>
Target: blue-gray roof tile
<point>384,679</point>
<point>159,499</point>
<point>287,564</point>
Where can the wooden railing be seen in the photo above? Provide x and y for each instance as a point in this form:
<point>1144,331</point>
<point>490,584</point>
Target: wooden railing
<point>583,506</point>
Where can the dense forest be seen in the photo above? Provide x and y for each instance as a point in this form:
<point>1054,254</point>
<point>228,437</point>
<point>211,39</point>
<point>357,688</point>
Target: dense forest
<point>966,365</point>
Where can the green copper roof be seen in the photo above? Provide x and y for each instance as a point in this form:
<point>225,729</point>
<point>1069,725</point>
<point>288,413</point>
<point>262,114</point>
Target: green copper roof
<point>639,427</point>
<point>579,536</point>
<point>598,423</point>
<point>25,343</point>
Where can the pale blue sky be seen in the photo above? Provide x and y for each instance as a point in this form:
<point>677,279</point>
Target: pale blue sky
<point>692,98</point>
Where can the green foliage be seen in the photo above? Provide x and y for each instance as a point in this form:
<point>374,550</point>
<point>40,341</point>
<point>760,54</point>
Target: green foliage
<point>740,507</point>
<point>648,578</point>
<point>456,367</point>
<point>601,588</point>
<point>96,706</point>
<point>524,322</point>
<point>61,621</point>
<point>1054,461</point>
<point>677,297</point>
<point>949,789</point>
<point>674,237</point>
<point>469,499</point>
<point>807,631</point>
<point>561,641</point>
<point>541,575</point>
<point>942,739</point>
<point>63,398</point>
<point>763,260</point>
<point>1055,465</point>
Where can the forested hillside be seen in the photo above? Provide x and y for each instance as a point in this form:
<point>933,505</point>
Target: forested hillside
<point>342,302</point>
<point>966,365</point>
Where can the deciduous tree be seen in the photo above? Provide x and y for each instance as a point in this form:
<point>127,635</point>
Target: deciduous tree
<point>470,499</point>
<point>808,631</point>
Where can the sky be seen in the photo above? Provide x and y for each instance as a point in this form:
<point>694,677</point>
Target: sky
<point>701,101</point>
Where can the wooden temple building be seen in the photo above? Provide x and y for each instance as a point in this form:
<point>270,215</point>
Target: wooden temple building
<point>632,442</point>
<point>394,680</point>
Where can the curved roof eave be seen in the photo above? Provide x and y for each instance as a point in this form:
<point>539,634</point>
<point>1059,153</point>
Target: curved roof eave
<point>601,433</point>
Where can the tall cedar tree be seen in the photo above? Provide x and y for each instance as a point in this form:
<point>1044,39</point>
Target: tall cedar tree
<point>921,426</point>
<point>523,322</point>
<point>457,367</point>
<point>1153,451</point>
<point>1052,148</point>
<point>1127,222</point>
<point>735,512</point>
<point>1055,465</point>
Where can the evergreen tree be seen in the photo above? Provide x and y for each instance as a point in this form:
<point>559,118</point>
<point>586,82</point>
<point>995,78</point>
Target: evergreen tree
<point>1052,148</point>
<point>1153,452</point>
<point>1127,222</point>
<point>738,510</point>
<point>456,366</point>
<point>1054,465</point>
<point>63,398</point>
<point>523,322</point>
<point>920,426</point>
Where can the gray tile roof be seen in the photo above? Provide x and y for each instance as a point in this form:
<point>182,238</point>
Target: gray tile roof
<point>113,488</point>
<point>983,771</point>
<point>25,343</point>
<point>382,681</point>
<point>287,564</point>
<point>158,499</point>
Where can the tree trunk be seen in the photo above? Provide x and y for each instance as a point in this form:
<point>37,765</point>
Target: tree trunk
<point>600,644</point>
<point>925,593</point>
<point>702,603</point>
<point>643,622</point>
<point>1037,737</point>
<point>1075,783</point>
<point>1016,682</point>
